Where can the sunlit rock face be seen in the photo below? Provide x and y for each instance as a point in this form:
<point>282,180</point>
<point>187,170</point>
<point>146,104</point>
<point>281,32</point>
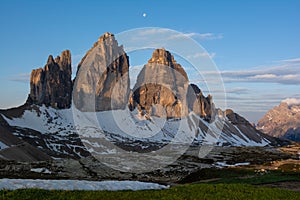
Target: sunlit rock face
<point>161,87</point>
<point>282,121</point>
<point>163,90</point>
<point>199,104</point>
<point>102,80</point>
<point>52,85</point>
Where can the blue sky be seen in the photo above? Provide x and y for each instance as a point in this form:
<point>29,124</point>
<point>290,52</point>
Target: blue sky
<point>255,44</point>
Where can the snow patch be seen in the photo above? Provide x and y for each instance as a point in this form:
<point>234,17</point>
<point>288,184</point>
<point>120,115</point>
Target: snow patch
<point>47,120</point>
<point>41,170</point>
<point>14,184</point>
<point>224,164</point>
<point>3,146</point>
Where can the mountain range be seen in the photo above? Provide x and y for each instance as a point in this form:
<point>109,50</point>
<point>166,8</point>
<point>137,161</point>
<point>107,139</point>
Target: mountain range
<point>282,121</point>
<point>60,113</point>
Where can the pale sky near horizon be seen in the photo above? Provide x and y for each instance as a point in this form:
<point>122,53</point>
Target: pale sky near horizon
<point>255,44</point>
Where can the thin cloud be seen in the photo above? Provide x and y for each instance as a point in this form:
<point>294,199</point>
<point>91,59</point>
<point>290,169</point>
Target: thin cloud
<point>287,73</point>
<point>263,76</point>
<point>24,78</point>
<point>200,36</point>
<point>195,35</point>
<point>295,60</point>
<point>237,90</point>
<point>249,103</point>
<point>203,54</point>
<point>297,96</point>
<point>146,32</point>
<point>205,36</point>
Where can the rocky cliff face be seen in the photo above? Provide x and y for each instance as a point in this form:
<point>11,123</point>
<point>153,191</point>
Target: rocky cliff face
<point>161,87</point>
<point>52,85</point>
<point>102,84</point>
<point>282,121</point>
<point>201,105</point>
<point>242,128</point>
<point>102,80</point>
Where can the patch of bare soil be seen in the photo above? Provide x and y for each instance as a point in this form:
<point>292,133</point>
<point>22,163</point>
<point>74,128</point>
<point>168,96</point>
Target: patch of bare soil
<point>294,148</point>
<point>285,164</point>
<point>288,165</point>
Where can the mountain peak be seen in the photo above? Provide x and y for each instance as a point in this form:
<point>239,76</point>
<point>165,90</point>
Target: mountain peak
<point>50,60</point>
<point>162,56</point>
<point>104,70</point>
<point>195,88</point>
<point>282,121</point>
<point>52,85</point>
<point>105,40</point>
<point>105,36</point>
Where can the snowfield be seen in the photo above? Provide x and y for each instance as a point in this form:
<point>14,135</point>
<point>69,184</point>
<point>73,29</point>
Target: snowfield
<point>67,128</point>
<point>2,146</point>
<point>14,184</point>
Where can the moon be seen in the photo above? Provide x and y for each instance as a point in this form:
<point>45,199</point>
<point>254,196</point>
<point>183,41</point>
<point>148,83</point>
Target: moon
<point>144,14</point>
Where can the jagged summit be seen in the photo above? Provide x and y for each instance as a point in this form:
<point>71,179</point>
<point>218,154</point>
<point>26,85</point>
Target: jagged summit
<point>52,85</point>
<point>108,39</point>
<point>161,101</point>
<point>196,89</point>
<point>201,105</point>
<point>162,56</point>
<point>63,61</point>
<point>102,77</point>
<point>50,60</point>
<point>105,36</point>
<point>161,86</point>
<point>282,121</point>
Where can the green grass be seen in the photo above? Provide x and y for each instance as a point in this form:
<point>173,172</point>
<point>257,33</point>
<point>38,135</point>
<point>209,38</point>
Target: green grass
<point>229,183</point>
<point>188,191</point>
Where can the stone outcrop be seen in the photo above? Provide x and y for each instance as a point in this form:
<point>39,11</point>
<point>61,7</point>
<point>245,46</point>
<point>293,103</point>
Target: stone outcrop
<point>282,121</point>
<point>161,87</point>
<point>201,105</point>
<point>102,80</point>
<point>52,85</point>
<point>238,126</point>
<point>235,118</point>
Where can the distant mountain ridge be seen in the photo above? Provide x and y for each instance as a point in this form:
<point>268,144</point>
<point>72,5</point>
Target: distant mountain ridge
<point>161,100</point>
<point>282,121</point>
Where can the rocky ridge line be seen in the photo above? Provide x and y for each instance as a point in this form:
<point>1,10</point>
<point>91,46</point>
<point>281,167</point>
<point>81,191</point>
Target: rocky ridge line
<point>52,85</point>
